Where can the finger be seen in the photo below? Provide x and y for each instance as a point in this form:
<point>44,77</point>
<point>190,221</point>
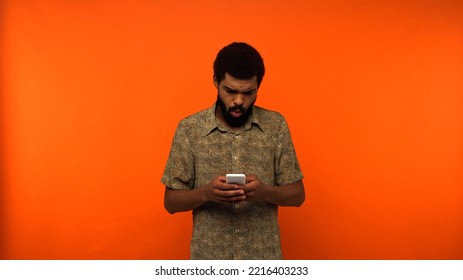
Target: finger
<point>250,180</point>
<point>234,199</point>
<point>226,187</point>
<point>221,179</point>
<point>229,193</point>
<point>249,190</point>
<point>251,185</point>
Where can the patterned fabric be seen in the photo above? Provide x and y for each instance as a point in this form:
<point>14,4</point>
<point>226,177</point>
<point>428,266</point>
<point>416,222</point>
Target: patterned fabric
<point>204,148</point>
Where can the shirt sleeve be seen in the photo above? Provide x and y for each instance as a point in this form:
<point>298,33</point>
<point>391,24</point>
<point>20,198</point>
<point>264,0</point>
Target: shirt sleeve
<point>179,170</point>
<point>287,169</point>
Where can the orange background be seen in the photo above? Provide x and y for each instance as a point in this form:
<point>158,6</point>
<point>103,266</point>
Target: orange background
<point>92,91</point>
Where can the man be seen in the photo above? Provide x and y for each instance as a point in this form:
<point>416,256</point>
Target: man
<point>234,221</point>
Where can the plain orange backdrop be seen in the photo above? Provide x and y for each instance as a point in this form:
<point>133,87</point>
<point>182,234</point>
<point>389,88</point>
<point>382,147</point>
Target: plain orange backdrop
<point>91,93</point>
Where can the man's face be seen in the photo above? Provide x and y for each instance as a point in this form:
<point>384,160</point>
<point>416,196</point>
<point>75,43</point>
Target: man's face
<point>236,98</point>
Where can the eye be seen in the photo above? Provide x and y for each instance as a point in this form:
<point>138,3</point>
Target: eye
<point>230,91</point>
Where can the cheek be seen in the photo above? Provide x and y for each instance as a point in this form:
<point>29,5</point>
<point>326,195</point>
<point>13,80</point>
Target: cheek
<point>226,99</point>
<point>249,101</point>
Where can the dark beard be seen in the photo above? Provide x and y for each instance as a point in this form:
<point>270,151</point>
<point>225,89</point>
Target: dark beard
<point>229,119</point>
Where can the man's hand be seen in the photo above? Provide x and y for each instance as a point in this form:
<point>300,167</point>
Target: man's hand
<point>287,195</point>
<point>255,189</point>
<point>219,191</point>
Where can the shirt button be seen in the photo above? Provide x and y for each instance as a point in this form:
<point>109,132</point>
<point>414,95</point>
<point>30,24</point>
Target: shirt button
<point>235,157</point>
<point>237,136</point>
<point>237,206</point>
<point>237,231</point>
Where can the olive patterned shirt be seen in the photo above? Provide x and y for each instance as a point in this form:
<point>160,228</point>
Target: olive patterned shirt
<point>204,148</point>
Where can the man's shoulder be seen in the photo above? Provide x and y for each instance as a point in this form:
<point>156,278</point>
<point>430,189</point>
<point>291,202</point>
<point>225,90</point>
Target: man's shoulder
<point>197,123</point>
<point>268,117</point>
<point>199,116</point>
<point>267,112</point>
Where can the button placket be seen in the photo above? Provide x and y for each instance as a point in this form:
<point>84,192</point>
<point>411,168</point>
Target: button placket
<point>235,145</point>
<point>235,154</point>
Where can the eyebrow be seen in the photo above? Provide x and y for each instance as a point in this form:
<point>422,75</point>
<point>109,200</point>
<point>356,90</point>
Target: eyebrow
<point>238,91</point>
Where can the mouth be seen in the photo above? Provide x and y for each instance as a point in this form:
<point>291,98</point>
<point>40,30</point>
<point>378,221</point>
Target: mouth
<point>236,113</point>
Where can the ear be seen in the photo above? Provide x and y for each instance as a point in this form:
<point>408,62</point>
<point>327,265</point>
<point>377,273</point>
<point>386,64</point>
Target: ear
<point>216,84</point>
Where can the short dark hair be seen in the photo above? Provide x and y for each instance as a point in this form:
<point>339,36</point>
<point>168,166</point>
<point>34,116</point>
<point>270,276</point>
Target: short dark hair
<point>241,61</point>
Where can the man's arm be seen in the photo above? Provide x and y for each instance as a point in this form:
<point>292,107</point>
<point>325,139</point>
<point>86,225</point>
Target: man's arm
<point>218,191</point>
<point>287,195</point>
<point>215,191</point>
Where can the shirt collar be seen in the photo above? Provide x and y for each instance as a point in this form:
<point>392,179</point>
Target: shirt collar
<point>211,123</point>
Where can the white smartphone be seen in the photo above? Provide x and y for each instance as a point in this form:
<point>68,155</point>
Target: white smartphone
<point>239,179</point>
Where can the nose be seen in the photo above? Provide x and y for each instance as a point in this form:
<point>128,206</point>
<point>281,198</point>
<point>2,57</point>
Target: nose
<point>239,99</point>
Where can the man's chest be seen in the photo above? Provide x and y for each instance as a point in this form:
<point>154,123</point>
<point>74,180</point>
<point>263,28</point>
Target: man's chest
<point>223,152</point>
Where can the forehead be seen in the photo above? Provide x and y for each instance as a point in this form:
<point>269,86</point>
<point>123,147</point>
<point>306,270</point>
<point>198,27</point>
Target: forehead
<point>239,84</point>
